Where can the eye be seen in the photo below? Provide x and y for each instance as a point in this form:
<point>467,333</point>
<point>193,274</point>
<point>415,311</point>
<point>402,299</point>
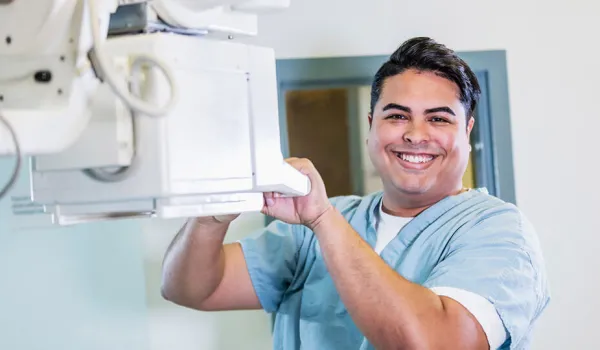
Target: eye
<point>396,117</point>
<point>439,120</point>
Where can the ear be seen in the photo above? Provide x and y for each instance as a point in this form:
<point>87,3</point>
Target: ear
<point>470,124</point>
<point>370,117</point>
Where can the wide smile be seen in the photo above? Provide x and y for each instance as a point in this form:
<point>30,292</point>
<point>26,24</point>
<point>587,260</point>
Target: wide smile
<point>417,161</point>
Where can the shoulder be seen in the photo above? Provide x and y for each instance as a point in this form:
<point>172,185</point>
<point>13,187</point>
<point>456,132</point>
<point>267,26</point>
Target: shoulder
<point>504,232</point>
<point>495,253</point>
<point>492,216</point>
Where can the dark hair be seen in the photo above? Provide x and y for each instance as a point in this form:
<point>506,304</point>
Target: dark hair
<point>424,54</point>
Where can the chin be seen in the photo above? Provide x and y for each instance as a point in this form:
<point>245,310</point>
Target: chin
<point>411,187</point>
<point>412,190</point>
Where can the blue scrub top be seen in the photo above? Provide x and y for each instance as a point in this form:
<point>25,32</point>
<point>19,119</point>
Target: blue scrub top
<point>471,241</point>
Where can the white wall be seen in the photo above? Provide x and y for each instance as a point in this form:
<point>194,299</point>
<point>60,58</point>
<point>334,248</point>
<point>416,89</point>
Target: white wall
<point>175,327</point>
<point>553,49</point>
<point>97,287</point>
<point>70,288</point>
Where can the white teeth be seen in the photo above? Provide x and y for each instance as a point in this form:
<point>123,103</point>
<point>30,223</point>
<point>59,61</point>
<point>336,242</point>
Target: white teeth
<point>414,158</point>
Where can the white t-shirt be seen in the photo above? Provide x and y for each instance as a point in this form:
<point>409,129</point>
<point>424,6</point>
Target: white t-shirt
<point>388,227</point>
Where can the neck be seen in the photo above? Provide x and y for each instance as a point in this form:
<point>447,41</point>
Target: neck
<point>411,205</point>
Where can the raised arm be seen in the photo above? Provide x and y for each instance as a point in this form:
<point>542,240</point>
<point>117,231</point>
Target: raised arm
<point>200,272</point>
<point>497,260</point>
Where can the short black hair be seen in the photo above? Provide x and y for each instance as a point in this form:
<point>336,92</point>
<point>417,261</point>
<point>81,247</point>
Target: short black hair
<point>425,54</point>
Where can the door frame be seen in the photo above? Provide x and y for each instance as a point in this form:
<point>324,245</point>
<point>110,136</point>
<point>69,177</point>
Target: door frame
<point>494,110</point>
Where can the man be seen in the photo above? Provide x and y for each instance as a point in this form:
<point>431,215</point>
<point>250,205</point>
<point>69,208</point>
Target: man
<point>425,264</point>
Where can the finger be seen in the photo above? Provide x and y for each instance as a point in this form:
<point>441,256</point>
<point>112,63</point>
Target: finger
<point>301,164</point>
<point>306,167</point>
<point>267,211</point>
<point>269,199</point>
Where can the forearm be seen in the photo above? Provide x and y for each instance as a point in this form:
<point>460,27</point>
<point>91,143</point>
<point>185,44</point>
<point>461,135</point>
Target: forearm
<point>391,311</point>
<point>194,262</point>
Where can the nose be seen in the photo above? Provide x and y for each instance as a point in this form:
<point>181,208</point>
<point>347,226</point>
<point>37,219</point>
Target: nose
<point>416,133</point>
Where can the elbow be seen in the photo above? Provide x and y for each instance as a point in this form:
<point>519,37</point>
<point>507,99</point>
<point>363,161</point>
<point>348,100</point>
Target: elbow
<point>175,294</point>
<point>172,289</point>
<point>180,294</point>
<point>166,292</point>
<point>167,289</point>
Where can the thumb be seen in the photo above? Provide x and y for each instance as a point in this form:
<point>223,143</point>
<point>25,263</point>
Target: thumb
<point>269,203</point>
<point>269,198</point>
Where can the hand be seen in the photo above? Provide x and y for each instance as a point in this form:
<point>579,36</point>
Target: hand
<point>306,210</point>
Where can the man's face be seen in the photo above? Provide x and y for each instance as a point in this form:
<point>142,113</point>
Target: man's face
<point>419,136</point>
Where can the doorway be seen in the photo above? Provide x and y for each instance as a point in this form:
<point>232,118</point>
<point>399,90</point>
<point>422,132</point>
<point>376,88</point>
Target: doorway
<point>318,129</point>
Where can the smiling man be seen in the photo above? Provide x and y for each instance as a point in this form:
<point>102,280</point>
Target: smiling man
<point>423,264</point>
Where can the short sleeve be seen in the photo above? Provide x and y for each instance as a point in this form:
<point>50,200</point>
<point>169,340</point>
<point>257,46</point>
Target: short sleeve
<point>483,311</point>
<point>498,257</point>
<point>272,258</point>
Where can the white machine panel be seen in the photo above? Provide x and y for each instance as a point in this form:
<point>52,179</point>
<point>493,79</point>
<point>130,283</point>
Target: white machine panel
<point>220,20</point>
<point>260,6</point>
<point>169,118</point>
<point>223,95</point>
<point>43,83</point>
<point>109,134</point>
<point>215,153</point>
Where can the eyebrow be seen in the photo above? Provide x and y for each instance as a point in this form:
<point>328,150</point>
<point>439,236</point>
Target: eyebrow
<point>427,111</point>
<point>396,106</point>
<point>440,109</point>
